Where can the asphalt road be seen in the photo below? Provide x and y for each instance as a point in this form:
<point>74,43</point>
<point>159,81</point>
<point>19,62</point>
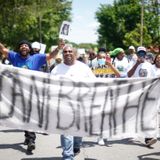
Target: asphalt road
<point>48,148</point>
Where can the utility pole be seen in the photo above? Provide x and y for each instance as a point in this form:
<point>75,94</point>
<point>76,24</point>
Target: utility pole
<point>142,23</point>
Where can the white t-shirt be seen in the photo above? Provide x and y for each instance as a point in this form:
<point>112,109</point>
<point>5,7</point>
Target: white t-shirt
<point>157,70</point>
<point>145,70</point>
<point>77,70</point>
<point>93,63</point>
<point>122,66</point>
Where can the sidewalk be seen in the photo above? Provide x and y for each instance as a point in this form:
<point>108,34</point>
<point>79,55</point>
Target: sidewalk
<point>48,148</point>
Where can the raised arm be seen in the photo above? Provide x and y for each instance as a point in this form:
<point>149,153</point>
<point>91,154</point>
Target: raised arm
<point>116,72</point>
<point>53,54</point>
<point>3,50</point>
<point>133,69</point>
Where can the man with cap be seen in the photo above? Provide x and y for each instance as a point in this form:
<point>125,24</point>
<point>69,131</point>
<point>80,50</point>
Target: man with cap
<point>23,59</point>
<point>143,68</point>
<point>150,57</point>
<point>36,46</point>
<point>132,56</point>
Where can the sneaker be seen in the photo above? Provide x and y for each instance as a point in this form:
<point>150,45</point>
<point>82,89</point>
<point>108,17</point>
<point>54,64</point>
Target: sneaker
<point>150,141</point>
<point>31,146</point>
<point>46,134</point>
<point>26,141</point>
<point>76,151</point>
<point>101,141</point>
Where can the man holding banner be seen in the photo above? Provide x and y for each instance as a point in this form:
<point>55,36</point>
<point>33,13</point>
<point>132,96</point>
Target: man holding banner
<point>75,69</point>
<point>143,68</point>
<point>24,59</point>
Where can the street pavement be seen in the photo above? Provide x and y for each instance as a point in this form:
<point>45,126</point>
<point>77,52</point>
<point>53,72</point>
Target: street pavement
<point>48,148</point>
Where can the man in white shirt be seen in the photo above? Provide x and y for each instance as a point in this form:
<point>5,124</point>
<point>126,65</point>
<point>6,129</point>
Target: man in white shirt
<point>143,68</point>
<point>71,67</point>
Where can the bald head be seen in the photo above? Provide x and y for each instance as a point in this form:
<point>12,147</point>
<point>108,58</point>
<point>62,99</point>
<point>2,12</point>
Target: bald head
<point>69,54</point>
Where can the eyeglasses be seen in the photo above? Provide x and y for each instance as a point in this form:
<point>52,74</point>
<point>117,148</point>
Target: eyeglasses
<point>69,51</point>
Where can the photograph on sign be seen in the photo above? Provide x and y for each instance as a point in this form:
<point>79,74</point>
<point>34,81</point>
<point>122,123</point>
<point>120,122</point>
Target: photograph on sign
<point>64,30</point>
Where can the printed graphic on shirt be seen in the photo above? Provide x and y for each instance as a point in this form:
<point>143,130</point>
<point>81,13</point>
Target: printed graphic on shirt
<point>24,65</point>
<point>120,68</point>
<point>143,73</point>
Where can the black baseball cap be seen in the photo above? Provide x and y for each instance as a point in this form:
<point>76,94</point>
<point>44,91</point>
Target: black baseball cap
<point>25,42</point>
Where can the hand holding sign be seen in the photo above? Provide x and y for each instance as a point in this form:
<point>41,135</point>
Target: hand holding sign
<point>61,44</point>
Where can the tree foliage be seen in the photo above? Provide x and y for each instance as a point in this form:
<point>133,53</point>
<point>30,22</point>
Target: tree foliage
<point>36,20</point>
<point>133,37</point>
<point>120,23</point>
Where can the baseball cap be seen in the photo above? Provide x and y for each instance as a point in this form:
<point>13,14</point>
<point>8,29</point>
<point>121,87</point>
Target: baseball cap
<point>102,50</point>
<point>131,47</point>
<point>141,51</point>
<point>36,45</point>
<point>141,48</point>
<point>25,42</point>
<point>150,55</point>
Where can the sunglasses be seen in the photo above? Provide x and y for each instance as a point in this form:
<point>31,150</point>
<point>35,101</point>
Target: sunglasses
<point>69,51</point>
<point>141,54</point>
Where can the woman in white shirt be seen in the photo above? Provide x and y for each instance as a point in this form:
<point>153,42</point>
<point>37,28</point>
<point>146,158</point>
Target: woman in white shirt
<point>120,61</point>
<point>156,65</point>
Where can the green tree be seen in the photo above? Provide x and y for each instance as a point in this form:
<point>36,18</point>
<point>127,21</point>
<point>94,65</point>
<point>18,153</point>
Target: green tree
<point>119,22</point>
<point>152,19</point>
<point>32,20</point>
<point>133,37</point>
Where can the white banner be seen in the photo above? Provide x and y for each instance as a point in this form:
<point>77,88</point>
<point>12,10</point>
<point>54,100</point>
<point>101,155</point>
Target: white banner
<point>114,108</point>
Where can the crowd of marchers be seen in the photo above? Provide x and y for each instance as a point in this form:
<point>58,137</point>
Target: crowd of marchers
<point>72,62</point>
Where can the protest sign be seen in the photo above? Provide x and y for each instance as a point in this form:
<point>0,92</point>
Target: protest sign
<point>103,72</point>
<point>114,108</point>
<point>64,30</point>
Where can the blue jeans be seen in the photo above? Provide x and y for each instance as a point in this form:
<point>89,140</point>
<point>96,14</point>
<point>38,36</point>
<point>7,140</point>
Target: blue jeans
<point>68,143</point>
